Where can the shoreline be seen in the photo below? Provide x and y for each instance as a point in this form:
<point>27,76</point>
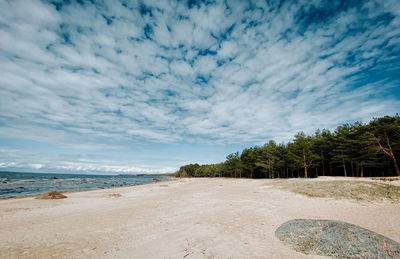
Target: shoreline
<point>172,178</point>
<point>86,190</point>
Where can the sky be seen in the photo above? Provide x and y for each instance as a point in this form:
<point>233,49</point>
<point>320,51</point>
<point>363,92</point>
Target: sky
<point>116,87</point>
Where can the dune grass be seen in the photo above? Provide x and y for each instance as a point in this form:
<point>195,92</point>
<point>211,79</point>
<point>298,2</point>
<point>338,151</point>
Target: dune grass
<point>341,189</point>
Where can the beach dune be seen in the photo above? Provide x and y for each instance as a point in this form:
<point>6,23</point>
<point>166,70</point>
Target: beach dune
<point>182,218</point>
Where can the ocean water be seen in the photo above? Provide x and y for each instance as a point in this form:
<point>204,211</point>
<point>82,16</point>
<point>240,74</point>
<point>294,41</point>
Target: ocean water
<point>19,184</point>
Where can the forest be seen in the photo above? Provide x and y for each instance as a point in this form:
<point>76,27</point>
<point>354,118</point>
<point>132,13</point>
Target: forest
<point>355,150</point>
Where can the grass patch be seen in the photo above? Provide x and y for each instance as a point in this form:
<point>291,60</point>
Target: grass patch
<point>387,179</point>
<point>113,195</point>
<point>353,190</point>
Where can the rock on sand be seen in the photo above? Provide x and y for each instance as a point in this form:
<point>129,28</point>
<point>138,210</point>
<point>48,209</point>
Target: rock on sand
<point>337,239</point>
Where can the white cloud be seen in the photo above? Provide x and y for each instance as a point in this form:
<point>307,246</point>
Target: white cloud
<point>218,73</point>
<point>228,49</point>
<point>180,67</point>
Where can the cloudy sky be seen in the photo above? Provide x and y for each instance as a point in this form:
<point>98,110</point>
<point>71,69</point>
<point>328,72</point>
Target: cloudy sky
<point>147,86</point>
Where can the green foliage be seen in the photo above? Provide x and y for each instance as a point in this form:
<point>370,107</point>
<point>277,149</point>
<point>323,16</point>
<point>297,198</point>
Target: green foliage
<point>301,152</point>
<point>249,159</point>
<point>351,150</point>
<point>233,165</point>
<point>187,170</point>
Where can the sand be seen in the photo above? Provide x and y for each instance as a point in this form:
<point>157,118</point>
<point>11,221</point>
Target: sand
<point>184,218</point>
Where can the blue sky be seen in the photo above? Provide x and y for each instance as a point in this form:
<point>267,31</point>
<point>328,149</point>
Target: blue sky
<point>148,86</point>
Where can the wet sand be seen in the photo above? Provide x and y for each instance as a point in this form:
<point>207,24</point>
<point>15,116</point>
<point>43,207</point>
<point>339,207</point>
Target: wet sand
<point>183,218</point>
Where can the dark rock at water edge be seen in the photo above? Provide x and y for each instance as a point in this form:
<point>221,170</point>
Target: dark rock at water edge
<point>337,239</point>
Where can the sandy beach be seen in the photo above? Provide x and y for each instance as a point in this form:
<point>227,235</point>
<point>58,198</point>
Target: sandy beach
<point>182,218</point>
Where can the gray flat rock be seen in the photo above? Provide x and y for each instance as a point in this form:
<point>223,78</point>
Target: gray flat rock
<point>336,239</point>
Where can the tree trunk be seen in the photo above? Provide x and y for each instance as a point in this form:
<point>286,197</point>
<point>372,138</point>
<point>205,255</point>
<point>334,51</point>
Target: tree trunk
<point>357,174</point>
<point>352,168</point>
<point>344,165</point>
<point>362,169</point>
<point>389,152</point>
<point>392,155</point>
<point>396,167</point>
<point>304,164</point>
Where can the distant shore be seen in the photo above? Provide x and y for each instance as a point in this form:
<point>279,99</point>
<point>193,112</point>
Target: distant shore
<point>183,218</point>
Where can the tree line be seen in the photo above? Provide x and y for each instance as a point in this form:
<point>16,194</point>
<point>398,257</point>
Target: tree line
<point>357,150</point>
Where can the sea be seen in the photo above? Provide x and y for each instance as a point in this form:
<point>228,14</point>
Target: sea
<point>13,184</point>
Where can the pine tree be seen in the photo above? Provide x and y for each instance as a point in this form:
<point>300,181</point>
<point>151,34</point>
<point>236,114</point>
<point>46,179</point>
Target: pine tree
<point>234,165</point>
<point>267,159</point>
<point>301,152</point>
<point>248,158</point>
<point>386,131</point>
